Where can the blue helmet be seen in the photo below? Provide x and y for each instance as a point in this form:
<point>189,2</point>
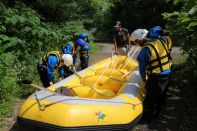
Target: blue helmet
<point>82,35</point>
<point>155,32</point>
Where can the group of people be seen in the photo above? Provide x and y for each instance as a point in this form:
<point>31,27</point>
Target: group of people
<point>65,61</point>
<point>154,62</point>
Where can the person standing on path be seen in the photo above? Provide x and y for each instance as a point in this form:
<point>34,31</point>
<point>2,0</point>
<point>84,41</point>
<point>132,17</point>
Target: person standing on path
<point>155,71</point>
<point>121,39</point>
<point>82,47</point>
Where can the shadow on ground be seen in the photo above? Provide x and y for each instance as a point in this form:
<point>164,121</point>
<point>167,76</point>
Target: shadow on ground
<point>180,111</point>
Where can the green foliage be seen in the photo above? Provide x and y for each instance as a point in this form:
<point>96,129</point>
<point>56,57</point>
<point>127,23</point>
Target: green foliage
<point>5,108</point>
<point>86,13</point>
<point>94,47</point>
<point>59,11</point>
<point>72,29</point>
<point>8,88</point>
<point>27,31</point>
<point>183,25</point>
<point>134,14</point>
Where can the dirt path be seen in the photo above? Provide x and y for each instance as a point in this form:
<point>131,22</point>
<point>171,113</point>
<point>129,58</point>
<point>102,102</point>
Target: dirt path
<point>107,49</point>
<point>9,123</point>
<point>172,117</point>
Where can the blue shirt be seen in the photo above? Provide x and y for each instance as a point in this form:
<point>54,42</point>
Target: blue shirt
<point>51,64</point>
<point>143,59</point>
<point>68,49</point>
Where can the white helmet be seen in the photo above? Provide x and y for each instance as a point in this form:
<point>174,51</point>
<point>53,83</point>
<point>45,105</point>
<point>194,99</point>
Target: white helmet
<point>68,59</point>
<point>138,34</point>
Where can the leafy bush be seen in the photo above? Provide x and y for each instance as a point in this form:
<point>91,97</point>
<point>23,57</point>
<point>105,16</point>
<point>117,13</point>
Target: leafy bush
<point>133,15</point>
<point>5,108</point>
<point>183,25</point>
<point>72,29</point>
<point>24,38</point>
<point>9,88</point>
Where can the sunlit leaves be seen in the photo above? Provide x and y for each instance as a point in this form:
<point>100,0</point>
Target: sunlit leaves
<point>184,26</point>
<point>7,58</point>
<point>192,24</point>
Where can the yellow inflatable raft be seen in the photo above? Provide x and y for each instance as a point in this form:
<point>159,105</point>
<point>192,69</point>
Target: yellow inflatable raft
<point>105,96</point>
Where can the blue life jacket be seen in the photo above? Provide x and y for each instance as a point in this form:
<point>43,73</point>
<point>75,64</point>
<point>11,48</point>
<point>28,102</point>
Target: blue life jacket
<point>83,44</point>
<point>68,49</point>
<point>86,47</point>
<point>80,42</point>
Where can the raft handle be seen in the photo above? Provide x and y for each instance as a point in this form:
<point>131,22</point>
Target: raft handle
<point>41,106</point>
